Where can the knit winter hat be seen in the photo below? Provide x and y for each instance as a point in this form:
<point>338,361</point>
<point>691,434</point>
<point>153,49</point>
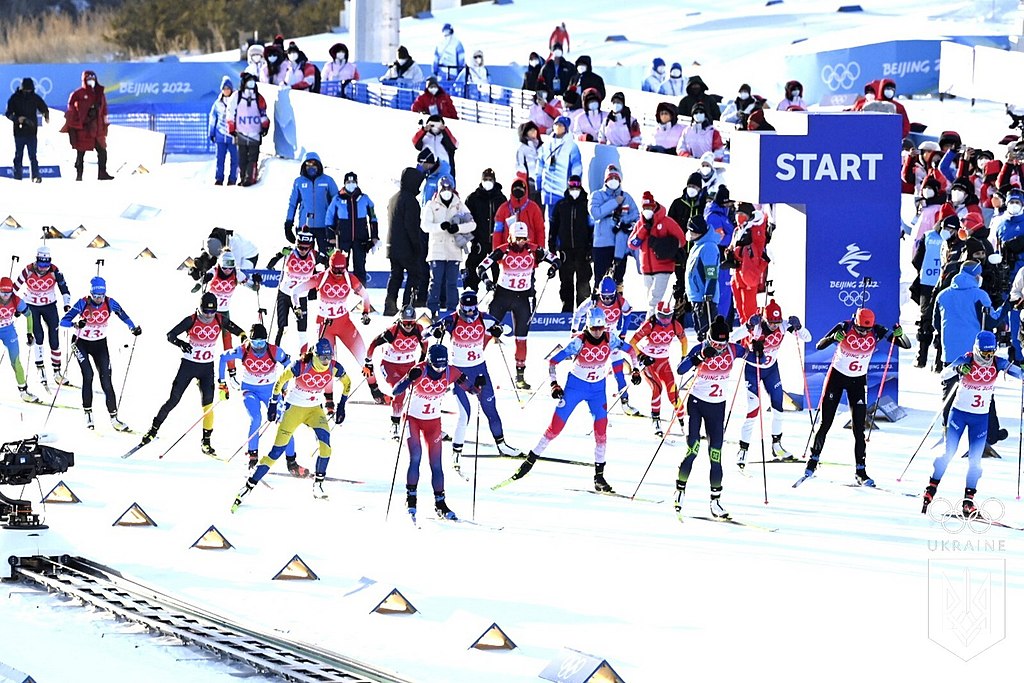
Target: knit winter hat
<point>575,181</point>
<point>658,61</point>
<point>351,177</point>
<point>426,156</point>
<point>488,174</point>
<point>972,268</point>
<point>562,121</point>
<point>648,200</point>
<point>719,330</point>
<point>697,225</point>
<point>612,172</point>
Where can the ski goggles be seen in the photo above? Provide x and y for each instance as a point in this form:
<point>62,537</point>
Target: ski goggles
<point>861,330</point>
<point>258,344</point>
<point>468,311</point>
<point>97,298</point>
<point>986,356</point>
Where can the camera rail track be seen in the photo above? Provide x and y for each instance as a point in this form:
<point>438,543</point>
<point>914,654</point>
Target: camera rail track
<point>125,598</point>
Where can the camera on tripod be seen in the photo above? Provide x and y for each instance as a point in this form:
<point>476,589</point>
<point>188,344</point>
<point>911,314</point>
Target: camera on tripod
<point>21,462</point>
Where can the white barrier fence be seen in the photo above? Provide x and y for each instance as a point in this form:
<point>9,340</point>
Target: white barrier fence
<point>979,73</point>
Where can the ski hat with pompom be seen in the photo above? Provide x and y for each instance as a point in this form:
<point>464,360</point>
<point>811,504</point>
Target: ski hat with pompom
<point>719,332</point>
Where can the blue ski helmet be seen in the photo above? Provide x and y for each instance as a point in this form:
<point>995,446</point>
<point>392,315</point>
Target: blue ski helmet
<point>97,286</point>
<point>985,342</point>
<point>596,320</point>
<point>468,305</point>
<point>438,356</point>
<point>608,290</point>
<point>324,351</point>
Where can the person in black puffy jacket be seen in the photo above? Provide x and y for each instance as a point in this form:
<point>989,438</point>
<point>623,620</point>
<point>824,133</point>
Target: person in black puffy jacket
<point>572,238</point>
<point>406,249</point>
<point>483,203</point>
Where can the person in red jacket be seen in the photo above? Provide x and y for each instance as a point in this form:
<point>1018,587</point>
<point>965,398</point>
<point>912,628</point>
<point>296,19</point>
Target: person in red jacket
<point>560,37</point>
<point>658,239</point>
<point>886,92</point>
<point>963,203</point>
<point>519,207</point>
<point>748,251</point>
<point>652,342</point>
<point>85,122</point>
<point>435,101</point>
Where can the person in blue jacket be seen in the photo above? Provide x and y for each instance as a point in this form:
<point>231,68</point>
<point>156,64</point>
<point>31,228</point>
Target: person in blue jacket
<point>354,221</point>
<point>311,195</point>
<point>614,212</point>
<point>719,217</point>
<point>559,160</point>
<point>432,169</point>
<point>219,135</point>
<point>702,267</point>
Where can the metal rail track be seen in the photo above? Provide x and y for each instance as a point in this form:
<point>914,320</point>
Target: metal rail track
<point>125,598</point>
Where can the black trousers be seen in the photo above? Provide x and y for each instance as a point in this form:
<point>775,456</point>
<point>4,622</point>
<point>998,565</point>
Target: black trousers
<point>97,350</point>
<point>574,279</point>
<point>284,308</point>
<point>187,372</point>
<point>856,390</point>
<point>248,159</point>
<point>518,303</point>
<point>101,159</point>
<point>925,331</point>
<point>703,313</point>
<point>415,285</point>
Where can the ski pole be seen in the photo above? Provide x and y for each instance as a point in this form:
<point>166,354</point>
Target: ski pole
<point>53,402</point>
<point>127,369</point>
<point>14,259</point>
<point>732,404</point>
<point>537,301</point>
<point>931,425</point>
<point>263,426</point>
<point>201,418</point>
<point>508,369</point>
<point>1020,437</point>
<point>760,420</point>
<point>821,402</point>
<point>398,453</point>
<point>476,460</point>
<point>881,385</point>
<point>668,428</point>
<point>807,391</point>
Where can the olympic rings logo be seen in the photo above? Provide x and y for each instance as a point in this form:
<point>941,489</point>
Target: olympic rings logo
<point>949,515</point>
<point>594,354</point>
<point>40,283</point>
<point>204,332</point>
<point>405,344</point>
<point>719,363</point>
<point>432,387</point>
<point>314,381</point>
<point>43,85</point>
<point>660,337</point>
<point>260,366</point>
<point>518,262</point>
<point>334,291</point>
<point>468,333</point>
<point>840,76</point>
<point>858,343</point>
<point>983,373</point>
<point>96,317</point>
<point>6,315</point>
<point>774,340</point>
<point>299,266</point>
<point>571,666</point>
<point>218,286</point>
<point>853,297</point>
<point>611,314</point>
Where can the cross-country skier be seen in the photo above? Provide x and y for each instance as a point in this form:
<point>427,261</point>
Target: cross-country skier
<point>400,343</point>
<point>976,372</point>
<point>204,328</point>
<point>515,287</point>
<point>590,352</point>
<point>259,361</point>
<point>313,374</point>
<point>429,382</point>
<point>617,313</point>
<point>856,339</point>
<point>763,335</point>
<point>714,359</point>
<point>334,288</point>
<point>90,341</point>
<point>222,280</point>
<point>470,332</point>
<point>38,283</point>
<point>11,306</point>
<point>651,343</point>
<point>301,267</point>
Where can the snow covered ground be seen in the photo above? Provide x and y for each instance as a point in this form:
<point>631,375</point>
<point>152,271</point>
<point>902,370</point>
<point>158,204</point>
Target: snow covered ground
<point>841,589</point>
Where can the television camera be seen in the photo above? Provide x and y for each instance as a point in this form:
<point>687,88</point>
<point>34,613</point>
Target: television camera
<point>20,462</point>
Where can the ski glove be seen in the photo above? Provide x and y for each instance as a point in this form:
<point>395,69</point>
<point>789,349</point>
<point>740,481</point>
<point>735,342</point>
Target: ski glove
<point>66,308</point>
<point>754,321</point>
<point>136,330</point>
<point>329,405</point>
<point>289,234</point>
<point>495,331</point>
<point>368,369</point>
<point>557,392</point>
<point>183,345</point>
<point>339,414</point>
<point>794,324</point>
<point>365,319</point>
<point>438,332</point>
<point>30,339</point>
<point>839,335</point>
<point>634,377</point>
<point>551,271</point>
<point>414,374</point>
<point>644,360</point>
<point>224,392</point>
<point>488,285</point>
<point>480,382</point>
<point>708,351</point>
<point>80,323</point>
<point>299,313</point>
<point>964,369</point>
<point>897,331</point>
<point>272,410</point>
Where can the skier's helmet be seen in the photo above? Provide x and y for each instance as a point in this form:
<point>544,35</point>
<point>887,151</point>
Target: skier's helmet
<point>43,257</point>
<point>339,262</point>
<point>324,351</point>
<point>663,312</point>
<point>863,319</point>
<point>97,287</point>
<point>208,305</point>
<point>985,347</point>
<point>226,260</point>
<point>258,336</point>
<point>608,290</point>
<point>438,356</point>
<point>596,322</point>
<point>468,305</point>
<point>408,318</point>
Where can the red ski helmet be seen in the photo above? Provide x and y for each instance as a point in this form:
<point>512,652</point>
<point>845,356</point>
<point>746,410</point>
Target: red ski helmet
<point>864,317</point>
<point>339,260</point>
<point>773,313</point>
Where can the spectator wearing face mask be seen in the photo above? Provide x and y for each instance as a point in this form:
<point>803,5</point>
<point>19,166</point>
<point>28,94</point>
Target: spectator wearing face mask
<point>963,204</point>
<point>483,203</point>
<point>586,122</point>
<point>311,196</point>
<point>475,73</point>
<point>614,212</point>
<point>256,63</point>
<point>708,174</point>
<point>277,64</point>
<point>674,85</point>
<point>572,238</point>
<point>921,164</point>
<point>619,128</point>
<point>543,112</point>
<point>756,120</point>
<point>85,122</point>
<point>700,137</point>
<point>585,78</point>
<point>870,95</point>
<point>559,159</point>
<point>435,101</point>
<point>24,109</point>
<point>354,221</point>
<point>559,37</point>
<point>793,101</point>
<point>519,208</point>
<point>528,157</point>
<point>557,73</point>
<point>407,245</point>
<point>697,92</point>
<point>739,109</point>
<point>302,73</point>
<point>449,55</point>
<point>684,207</point>
<point>1012,172</point>
<point>720,216</point>
<point>1009,229</point>
<point>929,205</point>
<point>433,169</point>
<point>403,72</point>
<point>668,132</point>
<point>444,218</point>
<point>702,268</point>
<point>886,92</point>
<point>219,135</point>
<point>435,136</point>
<point>248,123</point>
<point>656,77</point>
<point>533,66</point>
<point>339,68</point>
<point>927,261</point>
<point>657,238</point>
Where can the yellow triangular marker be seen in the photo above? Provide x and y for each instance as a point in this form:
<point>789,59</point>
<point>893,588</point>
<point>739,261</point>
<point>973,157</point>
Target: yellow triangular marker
<point>98,243</point>
<point>11,222</point>
<point>425,320</point>
<point>140,169</point>
<point>296,570</point>
<point>605,674</point>
<point>52,233</point>
<point>394,603</point>
<point>187,264</point>
<point>134,516</point>
<point>74,234</point>
<point>493,639</point>
<point>146,253</point>
<point>212,539</point>
<point>61,494</point>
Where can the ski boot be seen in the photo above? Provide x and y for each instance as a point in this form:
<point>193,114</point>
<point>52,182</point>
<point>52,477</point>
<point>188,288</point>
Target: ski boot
<point>249,485</point>
<point>600,484</point>
<point>295,469</point>
<point>254,458</point>
<point>457,458</point>
<point>656,423</point>
<point>862,476</point>
<point>526,466</point>
<point>521,382</point>
<point>378,395</point>
<point>441,508</point>
<point>968,508</point>
<point>778,452</point>
<point>205,446</point>
<point>117,424</point>
<point>150,435</point>
<point>410,503</point>
<point>812,465</point>
<point>741,457</point>
<point>717,511</point>
<point>929,494</point>
<point>505,449</point>
<point>395,424</point>
<point>88,419</point>
<point>318,487</point>
<point>59,378</point>
<point>628,409</point>
<point>26,395</point>
<point>680,494</point>
<point>42,376</point>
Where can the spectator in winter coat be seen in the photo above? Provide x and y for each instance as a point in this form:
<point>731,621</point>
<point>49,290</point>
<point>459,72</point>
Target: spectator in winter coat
<point>793,101</point>
<point>700,137</point>
<point>709,174</point>
<point>586,122</point>
<point>675,84</point>
<point>668,132</point>
<point>658,239</point>
<point>433,169</point>
<point>748,252</point>
<point>614,212</point>
<point>684,207</point>
<point>354,221</point>
<point>219,135</point>
<point>619,128</point>
<point>339,68</point>
<point>248,124</point>
<point>559,37</point>
<point>656,77</point>
<point>756,120</point>
<point>483,203</point>
<point>23,109</point>
<point>697,92</point>
<point>518,208</point>
<point>963,203</point>
<point>559,159</point>
<point>702,267</point>
<point>557,73</point>
<point>311,196</point>
<point>406,248</point>
<point>719,219</point>
<point>920,164</point>
<point>543,112</point>
<point>403,72</point>
<point>927,260</point>
<point>277,64</point>
<point>533,66</point>
<point>475,73</point>
<point>886,92</point>
<point>527,157</point>
<point>435,101</point>
<point>585,78</point>
<point>302,74</point>
<point>445,219</point>
<point>572,238</point>
<point>961,311</point>
<point>449,55</point>
<point>739,109</point>
<point>435,136</point>
<point>85,122</point>
<point>929,206</point>
<point>256,63</point>
<point>1010,238</point>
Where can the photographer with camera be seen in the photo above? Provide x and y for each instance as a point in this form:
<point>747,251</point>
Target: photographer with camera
<point>614,213</point>
<point>434,135</point>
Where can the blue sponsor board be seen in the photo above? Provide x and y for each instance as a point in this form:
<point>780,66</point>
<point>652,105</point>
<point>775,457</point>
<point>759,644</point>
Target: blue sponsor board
<point>44,171</point>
